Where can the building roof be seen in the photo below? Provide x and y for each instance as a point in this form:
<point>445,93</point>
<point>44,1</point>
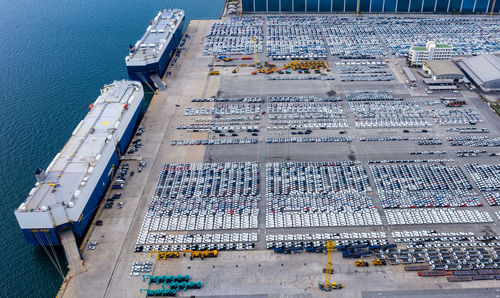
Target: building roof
<point>443,68</point>
<point>484,70</point>
<point>430,81</point>
<point>423,73</point>
<point>438,87</point>
<point>419,48</point>
<point>409,74</point>
<point>429,45</point>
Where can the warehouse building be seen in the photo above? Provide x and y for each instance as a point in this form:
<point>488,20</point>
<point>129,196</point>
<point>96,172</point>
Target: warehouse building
<point>431,51</point>
<point>484,71</point>
<point>405,6</point>
<point>410,75</point>
<point>443,70</point>
<point>442,82</point>
<point>440,85</point>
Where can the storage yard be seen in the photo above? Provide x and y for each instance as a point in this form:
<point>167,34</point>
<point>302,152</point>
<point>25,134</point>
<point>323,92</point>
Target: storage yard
<point>386,171</point>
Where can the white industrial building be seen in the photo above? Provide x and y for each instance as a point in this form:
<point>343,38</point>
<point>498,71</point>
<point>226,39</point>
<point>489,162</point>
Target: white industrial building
<point>484,71</point>
<point>432,51</point>
<point>443,70</point>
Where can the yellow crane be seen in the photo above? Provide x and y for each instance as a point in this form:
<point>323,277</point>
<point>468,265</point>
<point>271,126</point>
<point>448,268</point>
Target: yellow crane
<point>328,285</point>
<point>330,246</point>
<point>255,61</point>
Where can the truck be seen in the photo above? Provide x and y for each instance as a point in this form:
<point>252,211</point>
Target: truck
<point>117,186</point>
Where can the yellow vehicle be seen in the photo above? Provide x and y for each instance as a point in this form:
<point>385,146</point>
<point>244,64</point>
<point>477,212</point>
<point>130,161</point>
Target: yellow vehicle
<point>270,70</point>
<point>379,262</point>
<point>336,286</point>
<point>235,70</point>
<point>224,58</point>
<point>163,255</point>
<point>201,253</point>
<point>195,254</point>
<point>167,255</point>
<point>213,73</point>
<point>361,263</point>
<point>209,254</point>
<point>269,65</point>
<point>332,286</point>
<point>307,66</point>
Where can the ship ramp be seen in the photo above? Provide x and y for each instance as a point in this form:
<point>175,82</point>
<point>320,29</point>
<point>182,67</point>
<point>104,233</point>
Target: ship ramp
<point>158,82</point>
<point>72,252</point>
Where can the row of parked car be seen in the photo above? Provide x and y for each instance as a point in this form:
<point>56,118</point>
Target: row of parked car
<point>346,218</point>
<point>486,176</point>
<point>436,216</point>
<point>196,247</point>
<point>387,114</point>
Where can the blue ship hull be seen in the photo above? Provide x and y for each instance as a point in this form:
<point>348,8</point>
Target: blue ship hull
<point>129,132</point>
<point>51,236</point>
<point>142,73</point>
<point>41,236</point>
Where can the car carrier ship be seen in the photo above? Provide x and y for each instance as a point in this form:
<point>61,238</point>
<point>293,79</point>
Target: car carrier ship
<point>149,57</point>
<point>67,193</point>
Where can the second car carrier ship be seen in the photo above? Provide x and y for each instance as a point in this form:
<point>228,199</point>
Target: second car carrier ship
<point>150,56</point>
<point>68,192</point>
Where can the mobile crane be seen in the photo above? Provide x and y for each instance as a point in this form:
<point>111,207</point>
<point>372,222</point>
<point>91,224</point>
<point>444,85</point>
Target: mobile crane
<point>255,61</point>
<point>328,285</point>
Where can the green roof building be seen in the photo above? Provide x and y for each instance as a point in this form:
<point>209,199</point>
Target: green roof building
<point>432,51</point>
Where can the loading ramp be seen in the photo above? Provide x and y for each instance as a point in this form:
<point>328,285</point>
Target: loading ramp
<point>75,262</point>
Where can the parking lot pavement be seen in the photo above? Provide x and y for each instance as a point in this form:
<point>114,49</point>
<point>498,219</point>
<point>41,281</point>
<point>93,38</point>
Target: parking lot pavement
<point>358,181</point>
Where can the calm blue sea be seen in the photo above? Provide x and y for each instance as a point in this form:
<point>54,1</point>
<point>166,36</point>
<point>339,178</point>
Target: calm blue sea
<point>55,55</point>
